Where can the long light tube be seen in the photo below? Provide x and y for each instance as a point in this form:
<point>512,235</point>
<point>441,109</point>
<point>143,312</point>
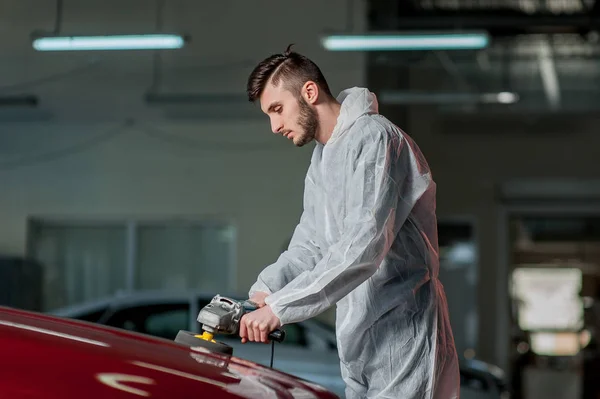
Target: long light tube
<point>117,42</point>
<point>406,41</point>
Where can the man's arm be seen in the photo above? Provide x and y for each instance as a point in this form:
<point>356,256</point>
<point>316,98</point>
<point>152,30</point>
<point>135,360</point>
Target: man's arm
<point>302,254</point>
<point>386,182</point>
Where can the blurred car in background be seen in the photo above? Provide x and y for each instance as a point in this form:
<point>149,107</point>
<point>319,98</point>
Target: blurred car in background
<point>51,357</point>
<point>308,352</point>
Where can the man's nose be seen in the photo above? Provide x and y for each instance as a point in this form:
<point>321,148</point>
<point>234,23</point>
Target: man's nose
<point>276,125</point>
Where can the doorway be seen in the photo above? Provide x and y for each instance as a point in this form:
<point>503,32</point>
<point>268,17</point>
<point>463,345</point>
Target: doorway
<point>553,270</point>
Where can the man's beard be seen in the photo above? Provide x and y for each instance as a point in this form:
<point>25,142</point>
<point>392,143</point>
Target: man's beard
<point>309,123</point>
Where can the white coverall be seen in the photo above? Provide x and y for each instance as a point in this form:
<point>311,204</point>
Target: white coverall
<point>367,242</point>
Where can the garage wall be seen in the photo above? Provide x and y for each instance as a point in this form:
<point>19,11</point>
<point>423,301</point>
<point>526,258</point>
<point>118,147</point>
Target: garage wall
<point>94,149</point>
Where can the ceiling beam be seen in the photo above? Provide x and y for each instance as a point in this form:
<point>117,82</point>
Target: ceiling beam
<point>496,21</point>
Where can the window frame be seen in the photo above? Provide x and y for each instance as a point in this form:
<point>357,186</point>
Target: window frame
<point>132,228</point>
<point>116,311</point>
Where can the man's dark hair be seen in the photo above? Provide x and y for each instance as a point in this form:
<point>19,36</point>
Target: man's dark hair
<point>290,67</point>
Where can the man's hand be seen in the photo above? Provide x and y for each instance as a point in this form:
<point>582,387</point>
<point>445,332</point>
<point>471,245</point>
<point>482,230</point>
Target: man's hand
<point>259,298</point>
<point>256,326</point>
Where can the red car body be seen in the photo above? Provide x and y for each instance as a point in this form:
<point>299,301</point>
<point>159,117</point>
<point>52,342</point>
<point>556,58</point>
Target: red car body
<point>56,358</point>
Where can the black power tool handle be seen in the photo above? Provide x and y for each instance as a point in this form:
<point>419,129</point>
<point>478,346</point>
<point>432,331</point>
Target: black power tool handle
<point>277,335</point>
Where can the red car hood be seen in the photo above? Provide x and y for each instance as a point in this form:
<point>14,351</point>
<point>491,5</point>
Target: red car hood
<point>50,357</point>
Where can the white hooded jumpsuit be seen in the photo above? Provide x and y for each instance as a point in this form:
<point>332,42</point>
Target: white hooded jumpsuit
<point>367,242</point>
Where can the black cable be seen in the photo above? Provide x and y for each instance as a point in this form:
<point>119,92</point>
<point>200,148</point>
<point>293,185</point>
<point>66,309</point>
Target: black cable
<point>160,9</point>
<point>272,352</point>
<point>350,17</point>
<point>58,21</point>
<point>157,60</point>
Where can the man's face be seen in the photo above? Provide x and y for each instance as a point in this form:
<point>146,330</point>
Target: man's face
<point>291,117</point>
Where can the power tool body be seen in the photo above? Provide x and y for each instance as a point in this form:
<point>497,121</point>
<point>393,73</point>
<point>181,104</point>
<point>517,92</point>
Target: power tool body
<point>221,316</point>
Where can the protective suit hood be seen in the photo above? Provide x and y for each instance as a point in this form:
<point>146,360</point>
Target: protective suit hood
<point>356,102</point>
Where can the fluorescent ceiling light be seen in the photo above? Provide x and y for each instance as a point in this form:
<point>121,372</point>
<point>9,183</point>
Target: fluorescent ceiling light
<point>195,98</point>
<point>449,98</point>
<point>549,76</point>
<point>119,42</point>
<point>19,101</point>
<point>406,41</point>
<point>504,97</point>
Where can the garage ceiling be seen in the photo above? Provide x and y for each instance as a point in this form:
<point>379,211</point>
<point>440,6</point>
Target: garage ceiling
<point>547,52</point>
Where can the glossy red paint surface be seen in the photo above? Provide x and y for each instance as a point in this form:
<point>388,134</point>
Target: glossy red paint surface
<point>44,356</point>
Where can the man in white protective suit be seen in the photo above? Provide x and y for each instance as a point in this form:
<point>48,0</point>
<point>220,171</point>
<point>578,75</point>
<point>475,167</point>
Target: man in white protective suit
<point>366,240</point>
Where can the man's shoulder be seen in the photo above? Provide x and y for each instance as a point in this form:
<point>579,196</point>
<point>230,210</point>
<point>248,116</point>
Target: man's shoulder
<point>375,127</point>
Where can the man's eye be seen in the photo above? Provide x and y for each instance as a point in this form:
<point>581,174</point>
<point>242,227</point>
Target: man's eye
<point>278,110</point>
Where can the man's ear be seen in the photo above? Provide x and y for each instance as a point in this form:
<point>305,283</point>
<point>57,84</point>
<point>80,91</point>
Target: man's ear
<point>310,92</point>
